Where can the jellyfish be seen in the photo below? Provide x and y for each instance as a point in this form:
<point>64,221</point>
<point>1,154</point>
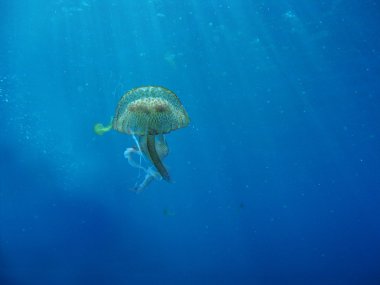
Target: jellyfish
<point>146,113</point>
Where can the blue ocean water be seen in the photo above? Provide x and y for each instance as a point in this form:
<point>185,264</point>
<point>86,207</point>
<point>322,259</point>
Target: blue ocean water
<point>275,181</point>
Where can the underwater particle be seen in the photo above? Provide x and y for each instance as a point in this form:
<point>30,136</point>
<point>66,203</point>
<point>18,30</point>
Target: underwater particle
<point>290,14</point>
<point>168,212</point>
<point>170,58</point>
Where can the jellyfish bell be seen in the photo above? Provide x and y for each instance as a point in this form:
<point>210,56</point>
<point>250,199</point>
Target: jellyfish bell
<point>147,112</point>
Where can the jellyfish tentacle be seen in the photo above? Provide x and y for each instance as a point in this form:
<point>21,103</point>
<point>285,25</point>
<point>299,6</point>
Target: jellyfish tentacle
<point>100,129</point>
<point>151,147</point>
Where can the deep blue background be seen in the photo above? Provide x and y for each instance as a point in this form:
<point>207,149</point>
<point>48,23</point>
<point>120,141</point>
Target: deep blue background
<point>276,180</point>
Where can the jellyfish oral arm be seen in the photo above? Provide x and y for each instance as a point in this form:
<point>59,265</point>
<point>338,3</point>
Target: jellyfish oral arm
<point>151,147</point>
<point>151,174</point>
<point>149,177</point>
<point>128,155</point>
